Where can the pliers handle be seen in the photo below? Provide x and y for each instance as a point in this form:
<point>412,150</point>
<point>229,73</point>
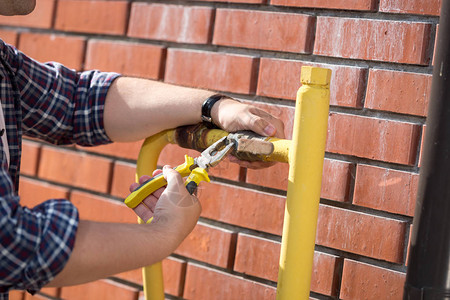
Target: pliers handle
<point>149,186</point>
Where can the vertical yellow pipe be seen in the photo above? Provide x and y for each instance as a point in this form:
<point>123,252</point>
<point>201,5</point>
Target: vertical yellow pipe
<point>147,161</point>
<point>306,156</point>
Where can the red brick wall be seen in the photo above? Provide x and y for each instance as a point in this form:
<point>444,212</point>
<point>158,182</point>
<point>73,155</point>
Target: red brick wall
<point>380,52</point>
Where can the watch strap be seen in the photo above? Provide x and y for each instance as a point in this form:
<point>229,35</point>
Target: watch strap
<point>207,107</point>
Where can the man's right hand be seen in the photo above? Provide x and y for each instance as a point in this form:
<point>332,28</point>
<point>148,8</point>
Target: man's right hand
<point>173,209</point>
<point>129,246</point>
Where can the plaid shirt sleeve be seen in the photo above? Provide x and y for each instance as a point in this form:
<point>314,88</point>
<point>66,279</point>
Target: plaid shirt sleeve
<point>36,243</point>
<point>60,106</point>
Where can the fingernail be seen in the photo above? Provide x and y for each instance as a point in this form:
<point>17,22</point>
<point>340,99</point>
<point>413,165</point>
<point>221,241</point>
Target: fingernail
<point>269,130</point>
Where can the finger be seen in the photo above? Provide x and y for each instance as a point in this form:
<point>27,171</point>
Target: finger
<point>144,178</point>
<point>158,192</point>
<point>151,200</point>
<point>143,212</point>
<point>156,172</point>
<point>257,124</point>
<point>266,123</point>
<point>133,186</point>
<point>277,123</point>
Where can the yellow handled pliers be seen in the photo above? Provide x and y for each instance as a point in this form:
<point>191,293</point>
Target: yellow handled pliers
<point>195,168</point>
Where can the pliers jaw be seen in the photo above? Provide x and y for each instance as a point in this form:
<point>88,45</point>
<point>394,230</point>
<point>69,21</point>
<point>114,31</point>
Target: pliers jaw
<point>215,153</point>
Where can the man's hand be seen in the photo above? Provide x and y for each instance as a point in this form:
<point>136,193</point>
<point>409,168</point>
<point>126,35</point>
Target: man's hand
<point>171,207</point>
<point>104,249</point>
<point>233,116</point>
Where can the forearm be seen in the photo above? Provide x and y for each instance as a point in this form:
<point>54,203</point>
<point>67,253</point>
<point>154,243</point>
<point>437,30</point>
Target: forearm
<point>104,249</point>
<point>137,108</point>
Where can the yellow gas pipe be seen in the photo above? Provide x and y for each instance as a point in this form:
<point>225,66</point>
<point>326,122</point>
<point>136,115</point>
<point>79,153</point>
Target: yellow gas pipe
<point>152,276</point>
<point>305,154</point>
<point>306,157</point>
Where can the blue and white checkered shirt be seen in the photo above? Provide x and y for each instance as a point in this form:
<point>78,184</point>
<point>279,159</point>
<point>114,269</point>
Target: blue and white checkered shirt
<point>61,106</point>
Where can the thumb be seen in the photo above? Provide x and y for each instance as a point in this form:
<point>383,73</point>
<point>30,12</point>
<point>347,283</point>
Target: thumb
<point>176,190</point>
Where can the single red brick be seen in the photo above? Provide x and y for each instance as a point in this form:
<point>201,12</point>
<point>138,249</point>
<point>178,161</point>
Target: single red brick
<point>362,234</point>
<point>41,17</point>
<point>101,289</point>
<point>364,281</point>
<point>209,244</point>
<point>205,283</point>
<point>175,23</point>
<point>401,92</point>
<point>260,257</point>
<point>339,4</point>
<point>386,189</point>
<point>75,168</point>
<point>33,192</point>
<point>134,276</point>
<point>34,297</point>
<point>124,174</point>
<point>67,50</point>
<point>335,180</point>
<point>54,292</point>
<point>16,295</point>
<point>378,139</point>
<point>106,17</point>
<point>431,7</point>
<point>242,207</point>
<point>257,257</point>
<point>276,31</point>
<point>174,271</point>
<point>100,209</point>
<point>393,41</point>
<point>30,157</point>
<point>174,155</point>
<point>136,59</point>
<point>122,150</point>
<point>275,177</point>
<point>347,86</point>
<point>216,71</point>
<point>9,36</point>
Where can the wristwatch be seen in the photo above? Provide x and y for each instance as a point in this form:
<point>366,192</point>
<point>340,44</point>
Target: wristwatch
<point>206,110</point>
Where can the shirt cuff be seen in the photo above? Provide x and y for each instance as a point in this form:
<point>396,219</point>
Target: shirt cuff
<point>59,224</point>
<point>90,129</point>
